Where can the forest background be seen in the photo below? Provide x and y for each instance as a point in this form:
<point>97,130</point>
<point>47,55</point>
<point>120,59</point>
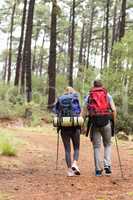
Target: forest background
<point>46,45</point>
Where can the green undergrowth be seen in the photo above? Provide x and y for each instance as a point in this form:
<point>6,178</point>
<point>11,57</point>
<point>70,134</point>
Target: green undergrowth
<point>8,143</point>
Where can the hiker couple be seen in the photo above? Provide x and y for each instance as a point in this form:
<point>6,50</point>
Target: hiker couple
<point>101,111</point>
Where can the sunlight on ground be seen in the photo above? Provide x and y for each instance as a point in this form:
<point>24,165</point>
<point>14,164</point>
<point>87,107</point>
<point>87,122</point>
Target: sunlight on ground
<point>130,194</point>
<point>4,196</point>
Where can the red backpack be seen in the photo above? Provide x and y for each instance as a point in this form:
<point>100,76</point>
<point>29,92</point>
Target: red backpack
<point>98,102</point>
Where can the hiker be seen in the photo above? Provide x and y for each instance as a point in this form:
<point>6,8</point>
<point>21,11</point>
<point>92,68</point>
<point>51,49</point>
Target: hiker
<point>101,110</point>
<point>64,109</point>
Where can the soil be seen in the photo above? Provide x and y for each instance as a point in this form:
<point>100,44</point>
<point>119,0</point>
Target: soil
<point>32,174</point>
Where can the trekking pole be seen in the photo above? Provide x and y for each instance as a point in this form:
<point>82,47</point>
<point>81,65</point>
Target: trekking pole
<point>57,152</point>
<point>118,153</point>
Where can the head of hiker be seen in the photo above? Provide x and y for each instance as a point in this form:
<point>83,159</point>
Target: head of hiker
<point>69,90</point>
<point>97,83</point>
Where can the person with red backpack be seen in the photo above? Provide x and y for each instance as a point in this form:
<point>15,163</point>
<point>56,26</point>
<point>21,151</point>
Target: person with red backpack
<point>102,111</point>
<point>67,106</point>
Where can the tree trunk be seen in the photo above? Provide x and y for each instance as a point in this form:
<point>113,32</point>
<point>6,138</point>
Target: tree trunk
<point>34,53</point>
<point>114,25</point>
<point>23,73</point>
<point>52,57</point>
<point>5,69</point>
<point>5,64</point>
<point>123,19</point>
<point>103,41</point>
<point>107,33</point>
<point>69,41</point>
<point>90,34</point>
<point>81,44</point>
<point>72,46</point>
<point>10,45</point>
<point>125,95</point>
<point>19,56</point>
<point>27,50</point>
<point>102,48</point>
<point>85,47</point>
<point>41,56</point>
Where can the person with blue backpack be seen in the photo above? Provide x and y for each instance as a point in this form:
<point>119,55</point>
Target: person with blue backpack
<point>102,112</point>
<point>68,107</point>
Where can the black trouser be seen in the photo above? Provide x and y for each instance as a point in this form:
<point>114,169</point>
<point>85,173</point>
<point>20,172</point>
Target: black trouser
<point>67,135</point>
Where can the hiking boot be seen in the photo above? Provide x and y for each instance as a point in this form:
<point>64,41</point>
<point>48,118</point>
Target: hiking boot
<point>75,169</point>
<point>107,170</point>
<point>70,173</point>
<point>98,172</point>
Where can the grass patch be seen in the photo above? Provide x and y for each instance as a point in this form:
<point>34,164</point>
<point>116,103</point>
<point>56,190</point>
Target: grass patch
<point>130,194</point>
<point>7,149</point>
<point>101,198</point>
<point>120,142</point>
<point>3,196</point>
<point>8,144</point>
<point>130,152</point>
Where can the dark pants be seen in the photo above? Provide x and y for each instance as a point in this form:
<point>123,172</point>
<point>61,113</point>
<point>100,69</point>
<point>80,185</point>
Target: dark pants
<point>67,135</point>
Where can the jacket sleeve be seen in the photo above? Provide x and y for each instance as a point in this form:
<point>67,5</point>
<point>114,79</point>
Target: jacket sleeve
<point>111,102</point>
<point>113,107</point>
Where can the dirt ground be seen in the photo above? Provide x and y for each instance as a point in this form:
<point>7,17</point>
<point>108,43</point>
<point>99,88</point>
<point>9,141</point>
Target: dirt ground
<point>31,175</point>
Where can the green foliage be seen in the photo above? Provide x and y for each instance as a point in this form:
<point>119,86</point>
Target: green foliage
<point>118,78</point>
<point>36,114</point>
<point>7,144</point>
<point>12,104</point>
<point>84,81</point>
<point>123,51</point>
<point>61,83</point>
<point>7,149</point>
<point>124,123</point>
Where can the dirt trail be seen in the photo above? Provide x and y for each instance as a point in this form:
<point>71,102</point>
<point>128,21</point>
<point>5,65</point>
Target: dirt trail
<point>32,174</point>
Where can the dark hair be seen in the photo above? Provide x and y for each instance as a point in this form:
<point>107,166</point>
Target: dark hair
<point>97,83</point>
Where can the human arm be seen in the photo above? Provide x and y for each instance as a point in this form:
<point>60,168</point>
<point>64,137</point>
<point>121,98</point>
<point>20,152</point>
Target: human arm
<point>113,107</point>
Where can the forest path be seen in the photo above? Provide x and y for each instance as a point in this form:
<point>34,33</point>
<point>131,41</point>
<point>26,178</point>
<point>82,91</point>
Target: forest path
<point>31,175</point>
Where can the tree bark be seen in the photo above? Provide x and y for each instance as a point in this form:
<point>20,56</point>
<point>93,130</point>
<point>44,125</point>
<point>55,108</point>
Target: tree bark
<point>5,64</point>
<point>123,19</point>
<point>5,69</point>
<point>90,34</point>
<point>102,48</point>
<point>27,50</point>
<point>52,57</point>
<point>107,33</point>
<point>10,45</point>
<point>19,56</point>
<point>72,46</point>
<point>34,53</point>
<point>114,25</point>
<point>41,56</point>
<point>81,44</point>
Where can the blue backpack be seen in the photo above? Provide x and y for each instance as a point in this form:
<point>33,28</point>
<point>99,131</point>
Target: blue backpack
<point>68,105</point>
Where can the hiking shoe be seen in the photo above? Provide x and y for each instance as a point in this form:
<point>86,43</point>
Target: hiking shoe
<point>107,171</point>
<point>75,169</point>
<point>70,173</point>
<point>98,172</point>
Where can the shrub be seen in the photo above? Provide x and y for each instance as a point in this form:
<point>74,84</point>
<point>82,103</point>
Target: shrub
<point>7,144</point>
<point>124,123</point>
<point>7,149</point>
